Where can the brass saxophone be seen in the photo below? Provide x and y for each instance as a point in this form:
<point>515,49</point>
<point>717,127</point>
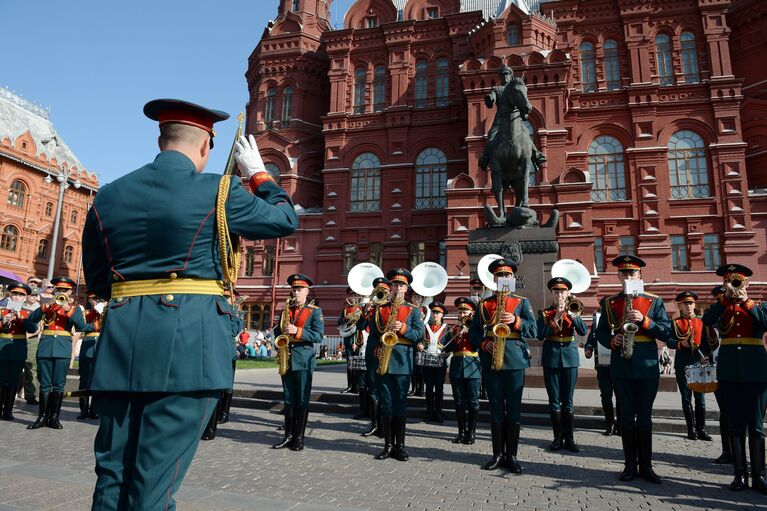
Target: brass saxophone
<point>282,342</point>
<point>500,330</point>
<point>389,338</point>
<point>629,329</point>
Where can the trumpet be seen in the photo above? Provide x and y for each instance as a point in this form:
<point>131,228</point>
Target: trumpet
<point>574,306</point>
<point>61,299</point>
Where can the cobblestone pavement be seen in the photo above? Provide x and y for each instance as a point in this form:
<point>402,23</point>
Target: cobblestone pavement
<point>46,469</point>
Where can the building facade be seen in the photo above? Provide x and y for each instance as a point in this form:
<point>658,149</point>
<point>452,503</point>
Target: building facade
<point>40,180</point>
<point>650,113</point>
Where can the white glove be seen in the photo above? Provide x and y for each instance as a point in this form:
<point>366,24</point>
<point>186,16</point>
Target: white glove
<point>247,156</point>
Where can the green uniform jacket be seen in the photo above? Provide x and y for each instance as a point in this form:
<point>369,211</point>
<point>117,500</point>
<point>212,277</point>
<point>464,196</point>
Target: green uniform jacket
<point>644,363</point>
<point>516,354</point>
<point>462,368</point>
<point>13,349</point>
<point>401,361</point>
<point>687,356</point>
<point>302,354</point>
<point>154,223</point>
<point>56,346</point>
<point>739,363</point>
<point>557,354</point>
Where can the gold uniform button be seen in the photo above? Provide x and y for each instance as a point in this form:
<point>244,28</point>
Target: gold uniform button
<point>169,298</point>
<point>173,275</point>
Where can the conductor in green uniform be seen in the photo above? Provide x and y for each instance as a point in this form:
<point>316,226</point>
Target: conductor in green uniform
<point>150,245</point>
<point>635,375</point>
<point>304,327</point>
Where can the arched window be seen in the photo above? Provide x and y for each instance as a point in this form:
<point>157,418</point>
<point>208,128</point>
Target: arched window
<point>443,82</point>
<point>359,90</point>
<point>273,171</point>
<point>512,34</point>
<point>379,89</point>
<point>296,5</point>
<point>42,248</point>
<point>271,95</point>
<point>287,104</point>
<point>664,59</point>
<point>366,184</point>
<point>17,194</point>
<point>588,68</point>
<point>689,58</point>
<point>49,209</point>
<point>430,179</point>
<point>9,238</point>
<point>73,217</point>
<point>532,176</point>
<point>69,252</point>
<point>612,65</point>
<point>606,170</point>
<point>421,81</point>
<point>687,165</point>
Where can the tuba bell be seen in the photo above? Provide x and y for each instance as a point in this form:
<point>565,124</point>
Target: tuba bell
<point>429,280</point>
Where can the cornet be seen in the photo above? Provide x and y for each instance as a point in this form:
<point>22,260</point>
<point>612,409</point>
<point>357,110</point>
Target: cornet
<point>61,299</point>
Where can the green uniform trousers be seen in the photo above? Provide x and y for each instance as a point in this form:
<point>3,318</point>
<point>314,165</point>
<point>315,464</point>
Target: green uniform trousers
<point>297,387</point>
<point>10,371</point>
<point>466,393</point>
<point>635,399</point>
<point>30,368</point>
<point>560,387</point>
<point>52,373</point>
<point>504,391</point>
<point>687,394</point>
<point>373,379</point>
<point>743,404</point>
<point>84,370</point>
<point>144,446</point>
<point>392,392</point>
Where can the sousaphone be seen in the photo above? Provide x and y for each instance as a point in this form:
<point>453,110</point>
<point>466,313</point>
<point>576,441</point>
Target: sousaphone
<point>429,280</point>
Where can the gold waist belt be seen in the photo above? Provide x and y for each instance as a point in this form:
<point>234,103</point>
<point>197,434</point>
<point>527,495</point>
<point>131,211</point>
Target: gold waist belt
<point>643,338</point>
<point>403,341</point>
<point>57,332</point>
<point>560,339</point>
<point>513,336</point>
<point>13,336</point>
<point>745,341</point>
<point>466,353</point>
<point>92,334</point>
<point>185,286</point>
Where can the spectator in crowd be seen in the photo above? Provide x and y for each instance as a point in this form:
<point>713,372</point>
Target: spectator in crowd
<point>253,349</point>
<point>323,352</point>
<point>34,282</point>
<point>46,296</point>
<point>269,349</point>
<point>665,361</point>
<point>261,352</point>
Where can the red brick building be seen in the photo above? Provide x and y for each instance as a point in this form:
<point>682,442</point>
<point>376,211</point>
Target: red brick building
<point>35,165</point>
<point>651,114</point>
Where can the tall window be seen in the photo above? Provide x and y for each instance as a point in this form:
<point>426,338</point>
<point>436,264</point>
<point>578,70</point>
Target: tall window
<point>273,171</point>
<point>712,252</point>
<point>417,253</point>
<point>612,65</point>
<point>359,90</point>
<point>68,254</point>
<point>271,96</point>
<point>443,82</point>
<point>430,179</point>
<point>588,68</point>
<point>350,257</point>
<point>679,254</point>
<point>599,253</point>
<point>432,13</point>
<point>664,59</point>
<point>257,315</point>
<point>269,253</point>
<point>371,21</point>
<point>379,89</point>
<point>512,34</point>
<point>689,58</point>
<point>627,246</point>
<point>49,209</point>
<point>73,217</point>
<point>250,261</point>
<point>287,104</point>
<point>9,238</point>
<point>687,165</point>
<point>442,254</point>
<point>296,5</point>
<point>376,254</point>
<point>421,81</point>
<point>366,184</point>
<point>42,248</point>
<point>17,194</point>
<point>606,170</point>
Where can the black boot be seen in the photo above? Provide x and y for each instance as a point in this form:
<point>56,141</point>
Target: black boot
<point>375,427</point>
<point>224,406</point>
<point>756,449</point>
<point>607,408</point>
<point>388,432</point>
<point>83,408</point>
<point>355,382</point>
<point>460,418</point>
<point>413,384</point>
<point>92,409</point>
<point>210,429</point>
<point>617,426</point>
<point>726,457</point>
<point>301,416</point>
<point>497,433</point>
<point>556,426</point>
<point>287,440</point>
<point>438,407</point>
<point>2,399</point>
<point>482,391</point>
<point>512,443</point>
<point>8,398</point>
<point>471,427</point>
<point>399,453</point>
<point>690,421</point>
<point>429,415</point>
<point>700,424</point>
<point>738,450</point>
<point>348,381</point>
<point>42,415</point>
<point>568,427</point>
<point>628,439</point>
<point>363,413</point>
<point>644,452</point>
<point>54,405</point>
<point>419,385</point>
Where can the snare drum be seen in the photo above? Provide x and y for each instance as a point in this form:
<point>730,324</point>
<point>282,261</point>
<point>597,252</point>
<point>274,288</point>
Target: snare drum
<point>357,363</point>
<point>701,378</point>
<point>428,359</point>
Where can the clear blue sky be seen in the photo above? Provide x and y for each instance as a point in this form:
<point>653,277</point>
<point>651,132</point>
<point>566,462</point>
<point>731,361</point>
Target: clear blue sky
<point>95,63</point>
